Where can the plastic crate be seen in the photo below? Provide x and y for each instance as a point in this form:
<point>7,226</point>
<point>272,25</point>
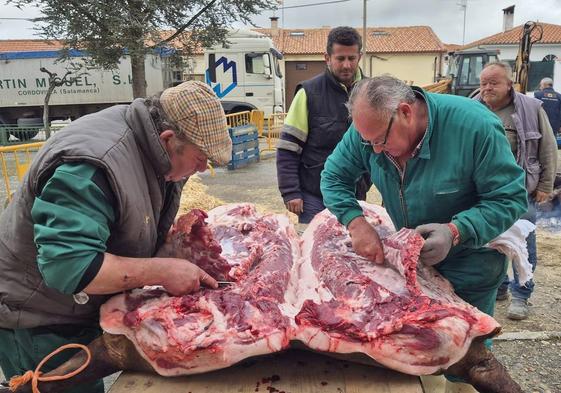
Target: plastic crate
<point>245,146</point>
<point>243,133</point>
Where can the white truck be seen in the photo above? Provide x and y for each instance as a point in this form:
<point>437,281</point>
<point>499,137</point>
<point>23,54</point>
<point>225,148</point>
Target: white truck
<point>245,73</point>
<point>23,86</point>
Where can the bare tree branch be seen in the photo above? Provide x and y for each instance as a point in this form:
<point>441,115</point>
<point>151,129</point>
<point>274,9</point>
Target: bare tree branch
<point>186,25</point>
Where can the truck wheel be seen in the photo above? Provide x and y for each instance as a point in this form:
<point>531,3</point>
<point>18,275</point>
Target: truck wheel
<point>28,128</point>
<point>474,93</point>
<point>239,109</point>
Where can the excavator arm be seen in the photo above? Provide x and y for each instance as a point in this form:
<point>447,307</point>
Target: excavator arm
<point>531,33</point>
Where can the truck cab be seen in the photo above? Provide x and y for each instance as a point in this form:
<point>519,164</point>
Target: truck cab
<point>245,73</point>
<point>464,68</point>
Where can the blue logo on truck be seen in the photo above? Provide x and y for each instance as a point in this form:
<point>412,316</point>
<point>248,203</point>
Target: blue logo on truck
<point>210,76</point>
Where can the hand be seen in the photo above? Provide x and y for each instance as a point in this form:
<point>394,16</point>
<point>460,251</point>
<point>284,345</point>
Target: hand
<point>295,206</point>
<point>541,197</point>
<point>180,277</point>
<point>438,242</point>
<point>366,241</point>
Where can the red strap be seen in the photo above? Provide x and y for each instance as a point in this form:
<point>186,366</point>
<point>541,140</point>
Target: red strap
<point>455,233</point>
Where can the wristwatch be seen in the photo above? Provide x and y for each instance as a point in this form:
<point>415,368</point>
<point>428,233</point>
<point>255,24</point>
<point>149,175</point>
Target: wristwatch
<point>81,297</point>
<point>455,233</point>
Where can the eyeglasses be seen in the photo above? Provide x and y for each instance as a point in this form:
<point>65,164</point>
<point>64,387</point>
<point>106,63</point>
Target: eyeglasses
<point>383,143</point>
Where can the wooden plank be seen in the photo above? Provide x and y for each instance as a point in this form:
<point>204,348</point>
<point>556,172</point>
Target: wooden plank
<point>294,371</point>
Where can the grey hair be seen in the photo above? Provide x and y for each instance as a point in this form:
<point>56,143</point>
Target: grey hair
<point>501,64</point>
<point>160,118</point>
<point>383,93</point>
<point>546,81</point>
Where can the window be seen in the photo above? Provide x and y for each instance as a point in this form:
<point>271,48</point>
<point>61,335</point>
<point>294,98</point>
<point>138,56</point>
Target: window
<point>177,75</point>
<point>277,67</point>
<point>254,63</point>
<point>465,71</point>
<point>549,58</point>
<point>301,66</point>
<point>471,68</point>
<point>476,68</point>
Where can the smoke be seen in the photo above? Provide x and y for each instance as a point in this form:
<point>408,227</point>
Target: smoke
<point>548,214</point>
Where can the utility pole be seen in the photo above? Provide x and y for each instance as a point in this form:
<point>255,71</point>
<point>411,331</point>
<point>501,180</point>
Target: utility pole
<point>282,13</point>
<point>463,4</point>
<point>364,37</point>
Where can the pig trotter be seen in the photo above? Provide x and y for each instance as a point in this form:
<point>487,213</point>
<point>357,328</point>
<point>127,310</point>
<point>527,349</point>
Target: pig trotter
<point>481,369</point>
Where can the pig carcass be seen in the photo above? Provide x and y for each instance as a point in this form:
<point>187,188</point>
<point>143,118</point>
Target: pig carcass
<point>312,289</point>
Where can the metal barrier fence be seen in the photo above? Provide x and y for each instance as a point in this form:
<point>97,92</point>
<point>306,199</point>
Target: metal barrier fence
<point>274,126</point>
<point>238,119</point>
<point>12,134</point>
<point>247,117</point>
<point>15,161</point>
<point>258,118</point>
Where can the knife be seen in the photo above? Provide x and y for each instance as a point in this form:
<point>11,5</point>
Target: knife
<point>224,283</point>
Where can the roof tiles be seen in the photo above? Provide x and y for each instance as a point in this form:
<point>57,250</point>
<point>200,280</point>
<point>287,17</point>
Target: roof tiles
<point>408,39</point>
<point>551,35</point>
<point>29,45</point>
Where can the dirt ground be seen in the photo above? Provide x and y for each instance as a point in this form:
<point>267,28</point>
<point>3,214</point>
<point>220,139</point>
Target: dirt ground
<point>534,363</point>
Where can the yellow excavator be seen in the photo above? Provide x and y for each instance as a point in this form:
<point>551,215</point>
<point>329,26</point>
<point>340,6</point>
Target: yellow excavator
<point>465,66</point>
<point>531,34</point>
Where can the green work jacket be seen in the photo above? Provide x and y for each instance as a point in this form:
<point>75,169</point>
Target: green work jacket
<point>464,172</point>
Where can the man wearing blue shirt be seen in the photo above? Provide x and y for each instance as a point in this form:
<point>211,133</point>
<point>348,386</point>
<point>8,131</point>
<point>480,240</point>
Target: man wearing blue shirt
<point>551,103</point>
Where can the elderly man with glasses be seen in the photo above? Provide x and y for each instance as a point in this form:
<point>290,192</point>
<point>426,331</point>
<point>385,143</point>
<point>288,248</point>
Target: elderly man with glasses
<point>443,166</point>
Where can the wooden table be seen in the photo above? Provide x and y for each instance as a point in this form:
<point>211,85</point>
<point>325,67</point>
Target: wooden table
<point>294,371</point>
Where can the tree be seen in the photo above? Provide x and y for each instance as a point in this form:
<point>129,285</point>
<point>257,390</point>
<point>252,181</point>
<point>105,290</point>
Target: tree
<point>108,29</point>
<point>54,82</point>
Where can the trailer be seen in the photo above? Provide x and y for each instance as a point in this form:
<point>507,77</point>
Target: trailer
<point>23,86</point>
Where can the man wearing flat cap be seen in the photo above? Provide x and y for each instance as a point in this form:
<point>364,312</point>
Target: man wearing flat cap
<point>91,214</point>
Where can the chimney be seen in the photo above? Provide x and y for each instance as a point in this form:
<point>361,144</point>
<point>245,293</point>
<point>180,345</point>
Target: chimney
<point>508,18</point>
<point>274,25</point>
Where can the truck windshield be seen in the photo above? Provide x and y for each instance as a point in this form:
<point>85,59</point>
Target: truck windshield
<point>471,68</point>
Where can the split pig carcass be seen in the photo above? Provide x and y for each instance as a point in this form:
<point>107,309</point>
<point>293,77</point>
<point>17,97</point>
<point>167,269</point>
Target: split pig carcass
<point>312,289</point>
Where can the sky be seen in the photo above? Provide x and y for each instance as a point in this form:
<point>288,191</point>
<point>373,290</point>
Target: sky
<point>446,17</point>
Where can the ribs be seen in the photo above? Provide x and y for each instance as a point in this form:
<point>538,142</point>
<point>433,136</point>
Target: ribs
<point>312,289</point>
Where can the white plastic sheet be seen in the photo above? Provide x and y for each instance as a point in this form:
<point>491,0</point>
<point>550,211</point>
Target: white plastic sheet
<point>512,243</point>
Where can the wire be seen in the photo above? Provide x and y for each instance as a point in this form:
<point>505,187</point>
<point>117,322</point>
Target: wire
<point>29,19</point>
<point>313,4</point>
